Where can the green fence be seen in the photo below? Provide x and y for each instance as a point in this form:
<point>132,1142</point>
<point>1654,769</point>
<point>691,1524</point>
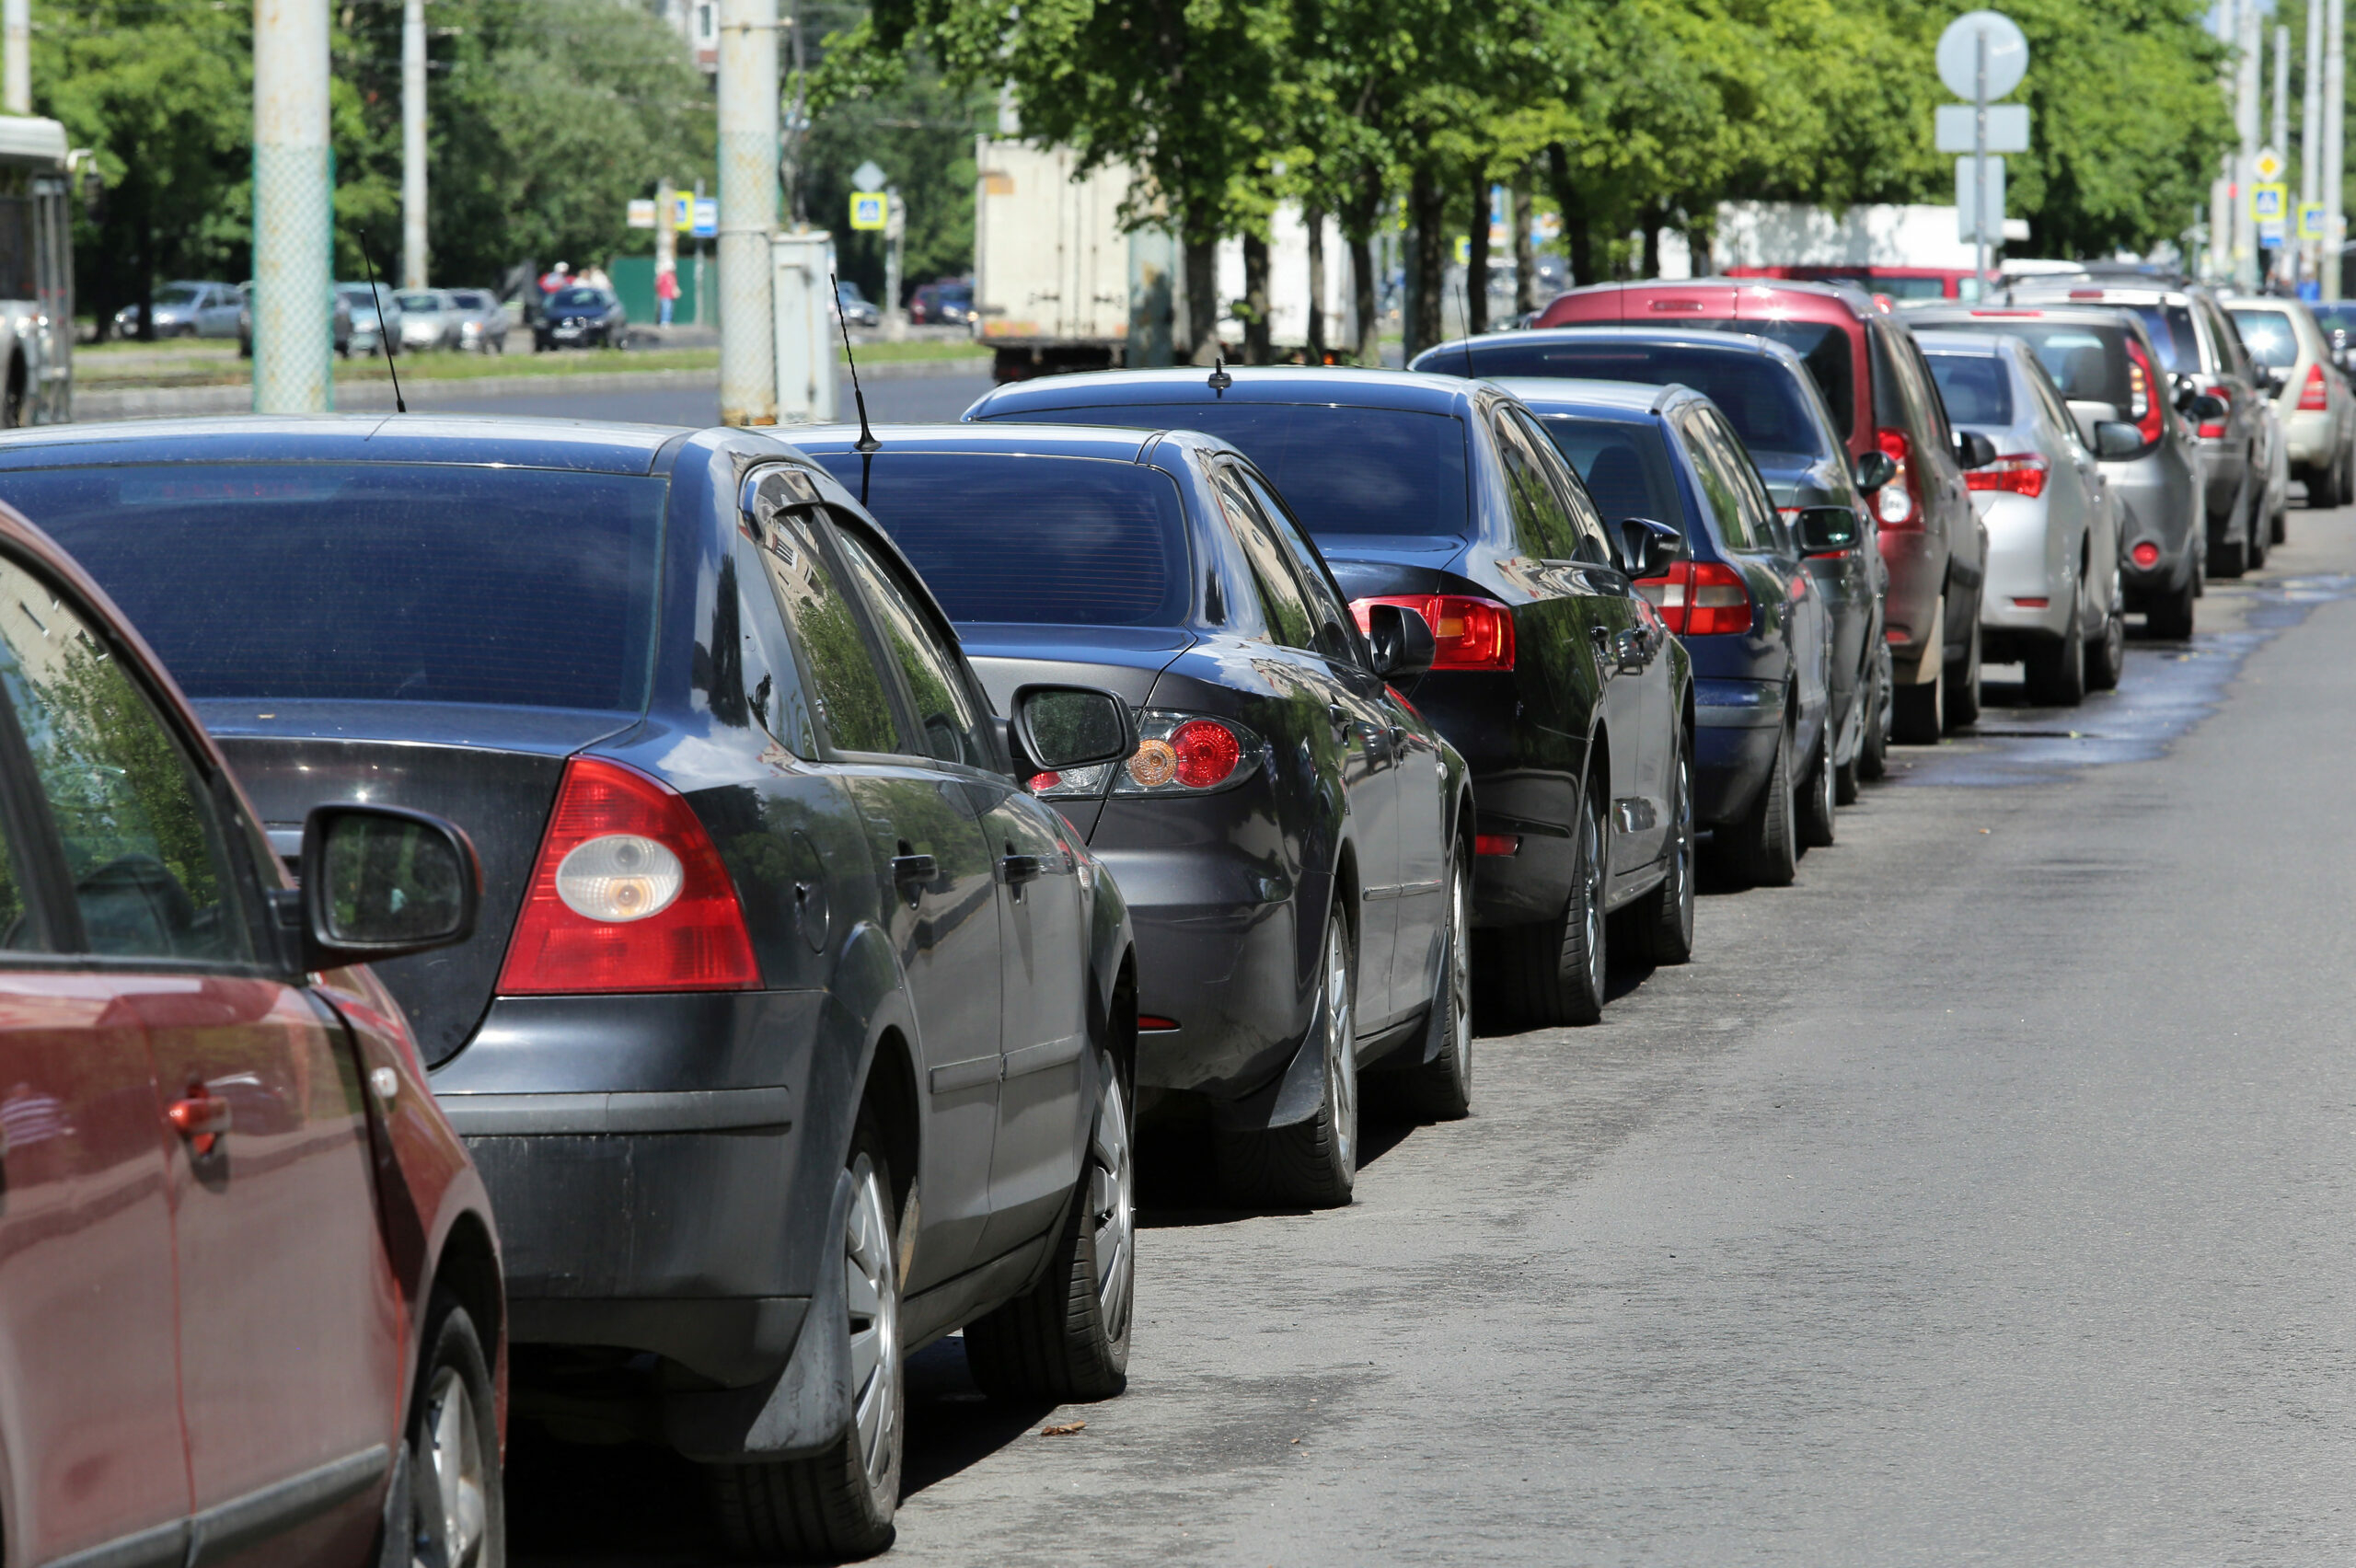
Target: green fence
<point>634,281</point>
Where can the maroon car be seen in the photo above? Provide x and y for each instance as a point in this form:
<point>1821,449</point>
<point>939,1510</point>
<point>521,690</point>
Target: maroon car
<point>249,1292</point>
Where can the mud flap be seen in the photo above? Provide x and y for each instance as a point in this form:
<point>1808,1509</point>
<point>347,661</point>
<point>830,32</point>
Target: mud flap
<point>1293,1096</point>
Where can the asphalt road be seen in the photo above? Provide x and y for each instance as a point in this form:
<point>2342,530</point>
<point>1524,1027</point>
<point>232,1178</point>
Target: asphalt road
<point>900,399</point>
<point>1985,1197</point>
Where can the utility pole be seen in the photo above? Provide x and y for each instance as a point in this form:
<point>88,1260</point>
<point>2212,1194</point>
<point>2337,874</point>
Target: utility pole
<point>412,144</point>
<point>294,209</point>
<point>2311,135</point>
<point>2281,142</point>
<point>2246,126</point>
<point>749,204</point>
<point>17,67</point>
<point>2334,94</point>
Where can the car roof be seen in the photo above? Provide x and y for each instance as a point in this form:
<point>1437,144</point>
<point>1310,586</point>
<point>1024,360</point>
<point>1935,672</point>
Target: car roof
<point>1551,394</point>
<point>2064,287</point>
<point>1340,385</point>
<point>1940,317</point>
<point>477,440</point>
<point>1939,340</point>
<point>1008,438</point>
<point>1831,291</point>
<point>1666,335</point>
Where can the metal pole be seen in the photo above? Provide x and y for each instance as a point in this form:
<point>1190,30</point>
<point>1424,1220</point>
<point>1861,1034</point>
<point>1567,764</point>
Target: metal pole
<point>667,241</point>
<point>293,211</point>
<point>2280,140</point>
<point>748,200</point>
<point>17,67</point>
<point>1980,155</point>
<point>414,143</point>
<point>2311,133</point>
<point>2245,122</point>
<point>2334,94</point>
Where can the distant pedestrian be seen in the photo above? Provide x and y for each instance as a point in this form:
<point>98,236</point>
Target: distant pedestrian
<point>666,293</point>
<point>595,276</point>
<point>559,276</point>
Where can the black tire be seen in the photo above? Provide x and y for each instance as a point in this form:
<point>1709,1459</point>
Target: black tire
<point>1664,917</point>
<point>1919,713</point>
<point>1873,746</point>
<point>457,1507</point>
<point>840,1504</point>
<point>1441,1088</point>
<point>1312,1164</point>
<point>2261,535</point>
<point>2230,556</point>
<point>1068,1338</point>
<point>2106,654</point>
<point>2279,528</point>
<point>1963,686</point>
<point>2057,670</point>
<point>2171,618</point>
<point>1767,844</point>
<point>1816,798</point>
<point>1555,970</point>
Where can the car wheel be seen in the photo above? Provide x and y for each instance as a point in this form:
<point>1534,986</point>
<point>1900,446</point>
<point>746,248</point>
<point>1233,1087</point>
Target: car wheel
<point>1556,969</point>
<point>2229,557</point>
<point>2279,528</point>
<point>1963,686</point>
<point>2057,669</point>
<point>1310,1164</point>
<point>457,1511</point>
<point>1816,801</point>
<point>1767,843</point>
<point>1441,1088</point>
<point>2171,618</point>
<point>1665,916</point>
<point>1873,747</point>
<point>2261,535</point>
<point>1068,1338</point>
<point>839,1503</point>
<point>2106,654</point>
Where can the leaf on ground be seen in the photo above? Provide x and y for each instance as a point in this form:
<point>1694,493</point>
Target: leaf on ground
<point>1065,1430</point>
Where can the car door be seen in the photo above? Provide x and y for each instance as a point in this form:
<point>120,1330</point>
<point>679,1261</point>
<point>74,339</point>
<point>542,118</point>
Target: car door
<point>91,1423</point>
<point>936,878</point>
<point>1804,606</point>
<point>289,1329</point>
<point>2098,565</point>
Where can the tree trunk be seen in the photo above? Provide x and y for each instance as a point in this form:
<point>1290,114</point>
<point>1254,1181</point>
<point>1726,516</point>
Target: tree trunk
<point>1366,301</point>
<point>1700,237</point>
<point>1315,343</point>
<point>1525,253</point>
<point>1256,300</point>
<point>1426,233</point>
<point>1476,261</point>
<point>147,266</point>
<point>1201,298</point>
<point>1578,230</point>
<point>1648,227</point>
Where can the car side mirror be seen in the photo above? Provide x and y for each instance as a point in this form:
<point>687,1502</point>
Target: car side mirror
<point>2117,438</point>
<point>1875,469</point>
<point>1828,530</point>
<point>1402,641</point>
<point>1973,450</point>
<point>1058,726</point>
<point>1650,548</point>
<point>381,883</point>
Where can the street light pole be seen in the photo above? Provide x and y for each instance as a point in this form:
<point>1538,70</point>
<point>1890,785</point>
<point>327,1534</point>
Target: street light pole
<point>414,143</point>
<point>294,209</point>
<point>2246,125</point>
<point>2335,92</point>
<point>16,68</point>
<point>1980,156</point>
<point>748,205</point>
<point>2311,133</point>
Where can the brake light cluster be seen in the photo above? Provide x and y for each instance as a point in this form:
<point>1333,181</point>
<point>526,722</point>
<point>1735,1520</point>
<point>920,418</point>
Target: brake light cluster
<point>2314,397</point>
<point>1468,633</point>
<point>1178,753</point>
<point>629,894</point>
<point>2015,473</point>
<point>1701,598</point>
<point>1895,500</point>
<point>2224,395</point>
<point>2144,405</point>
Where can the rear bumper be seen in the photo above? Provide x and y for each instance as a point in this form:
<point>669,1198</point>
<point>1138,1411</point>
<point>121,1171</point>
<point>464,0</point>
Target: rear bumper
<point>2023,563</point>
<point>2307,437</point>
<point>2160,505</point>
<point>1918,579</point>
<point>1735,724</point>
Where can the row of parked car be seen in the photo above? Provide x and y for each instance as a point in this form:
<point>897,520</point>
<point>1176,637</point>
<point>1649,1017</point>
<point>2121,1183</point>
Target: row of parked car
<point>783,882</point>
<point>367,319</point>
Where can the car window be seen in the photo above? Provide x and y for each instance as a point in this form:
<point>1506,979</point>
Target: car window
<point>1282,607</point>
<point>1925,393</point>
<point>847,684</point>
<point>1974,386</point>
<point>1720,492</point>
<point>1761,520</point>
<point>2269,336</point>
<point>1625,468</point>
<point>141,836</point>
<point>2049,397</point>
<point>1827,349</point>
<point>947,716</point>
<point>2170,327</point>
<point>2229,349</point>
<point>1593,541</point>
<point>1333,634</point>
<point>1541,524</point>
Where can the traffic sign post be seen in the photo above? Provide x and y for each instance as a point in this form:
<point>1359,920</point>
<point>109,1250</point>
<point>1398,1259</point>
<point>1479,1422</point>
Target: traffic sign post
<point>869,210</point>
<point>1981,55</point>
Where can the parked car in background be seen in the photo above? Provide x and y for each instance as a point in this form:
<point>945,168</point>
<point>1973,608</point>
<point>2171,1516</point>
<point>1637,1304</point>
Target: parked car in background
<point>581,316</point>
<point>2317,410</point>
<point>249,1283</point>
<point>1763,388</point>
<point>376,318</point>
<point>2054,603</point>
<point>187,308</point>
<point>482,320</point>
<point>1559,683</point>
<point>1881,400</point>
<point>1891,282</point>
<point>2203,356</point>
<point>949,303</point>
<point>2336,320</point>
<point>1294,839</point>
<point>430,319</point>
<point>771,938</point>
<point>1740,598</point>
<point>856,308</point>
<point>338,321</point>
<point>2105,365</point>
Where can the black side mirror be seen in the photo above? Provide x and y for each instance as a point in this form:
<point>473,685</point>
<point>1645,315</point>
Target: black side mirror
<point>381,883</point>
<point>1402,641</point>
<point>1650,548</point>
<point>1875,469</point>
<point>1973,450</point>
<point>2117,438</point>
<point>1828,530</point>
<point>2205,408</point>
<point>1058,726</point>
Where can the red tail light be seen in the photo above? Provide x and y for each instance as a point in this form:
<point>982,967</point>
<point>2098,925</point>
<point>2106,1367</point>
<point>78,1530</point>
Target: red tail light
<point>1700,598</point>
<point>1467,633</point>
<point>1895,500</point>
<point>2144,405</point>
<point>1496,844</point>
<point>629,894</point>
<point>2224,395</point>
<point>2018,473</point>
<point>1205,752</point>
<point>2211,433</point>
<point>2314,397</point>
<point>2145,555</point>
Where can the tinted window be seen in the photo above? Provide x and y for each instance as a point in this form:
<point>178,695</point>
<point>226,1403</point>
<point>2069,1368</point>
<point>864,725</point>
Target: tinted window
<point>1333,625</point>
<point>1976,387</point>
<point>1282,605</point>
<point>1388,471</point>
<point>2088,363</point>
<point>1541,525</point>
<point>466,300</point>
<point>1768,411</point>
<point>1588,543</point>
<point>2270,337</point>
<point>1068,541</point>
<point>848,685</point>
<point>1908,288</point>
<point>577,299</point>
<point>2171,329</point>
<point>143,844</point>
<point>1760,519</point>
<point>420,303</point>
<point>373,581</point>
<point>946,713</point>
<point>1825,347</point>
<point>1721,487</point>
<point>2336,318</point>
<point>1626,466</point>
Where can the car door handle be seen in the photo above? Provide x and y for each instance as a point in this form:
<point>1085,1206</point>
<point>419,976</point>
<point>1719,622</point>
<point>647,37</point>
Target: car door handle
<point>1019,868</point>
<point>914,870</point>
<point>1340,716</point>
<point>201,1116</point>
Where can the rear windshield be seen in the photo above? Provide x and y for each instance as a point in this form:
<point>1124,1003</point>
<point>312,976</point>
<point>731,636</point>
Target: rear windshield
<point>1828,349</point>
<point>373,581</point>
<point>1908,288</point>
<point>2270,337</point>
<point>1975,387</point>
<point>2171,329</point>
<point>1342,471</point>
<point>1067,541</point>
<point>2088,364</point>
<point>2336,318</point>
<point>1759,396</point>
<point>1626,466</point>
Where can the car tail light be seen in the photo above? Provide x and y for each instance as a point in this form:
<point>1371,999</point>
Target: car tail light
<point>2031,603</point>
<point>1700,598</point>
<point>2211,433</point>
<point>1178,753</point>
<point>627,895</point>
<point>2314,397</point>
<point>2145,555</point>
<point>2144,405</point>
<point>1496,844</point>
<point>2224,395</point>
<point>2085,294</point>
<point>1895,500</point>
<point>1468,633</point>
<point>1152,1020</point>
<point>2017,473</point>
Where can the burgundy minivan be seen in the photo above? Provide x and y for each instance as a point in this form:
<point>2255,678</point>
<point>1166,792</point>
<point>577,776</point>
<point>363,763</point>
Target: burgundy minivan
<point>249,1294</point>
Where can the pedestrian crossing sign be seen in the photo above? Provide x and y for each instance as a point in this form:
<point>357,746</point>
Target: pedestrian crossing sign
<point>2268,202</point>
<point>2309,220</point>
<point>868,209</point>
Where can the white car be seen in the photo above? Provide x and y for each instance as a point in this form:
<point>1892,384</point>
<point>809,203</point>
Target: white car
<point>2052,599</point>
<point>2317,410</point>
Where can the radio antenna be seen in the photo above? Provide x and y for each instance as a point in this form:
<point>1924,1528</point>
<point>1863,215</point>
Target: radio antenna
<point>867,442</point>
<point>383,340</point>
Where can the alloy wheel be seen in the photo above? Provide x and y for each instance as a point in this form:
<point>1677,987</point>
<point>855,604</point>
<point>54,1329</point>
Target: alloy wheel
<point>451,1509</point>
<point>1341,1046</point>
<point>1593,915</point>
<point>1460,976</point>
<point>1680,862</point>
<point>1112,1204</point>
<point>872,1292</point>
